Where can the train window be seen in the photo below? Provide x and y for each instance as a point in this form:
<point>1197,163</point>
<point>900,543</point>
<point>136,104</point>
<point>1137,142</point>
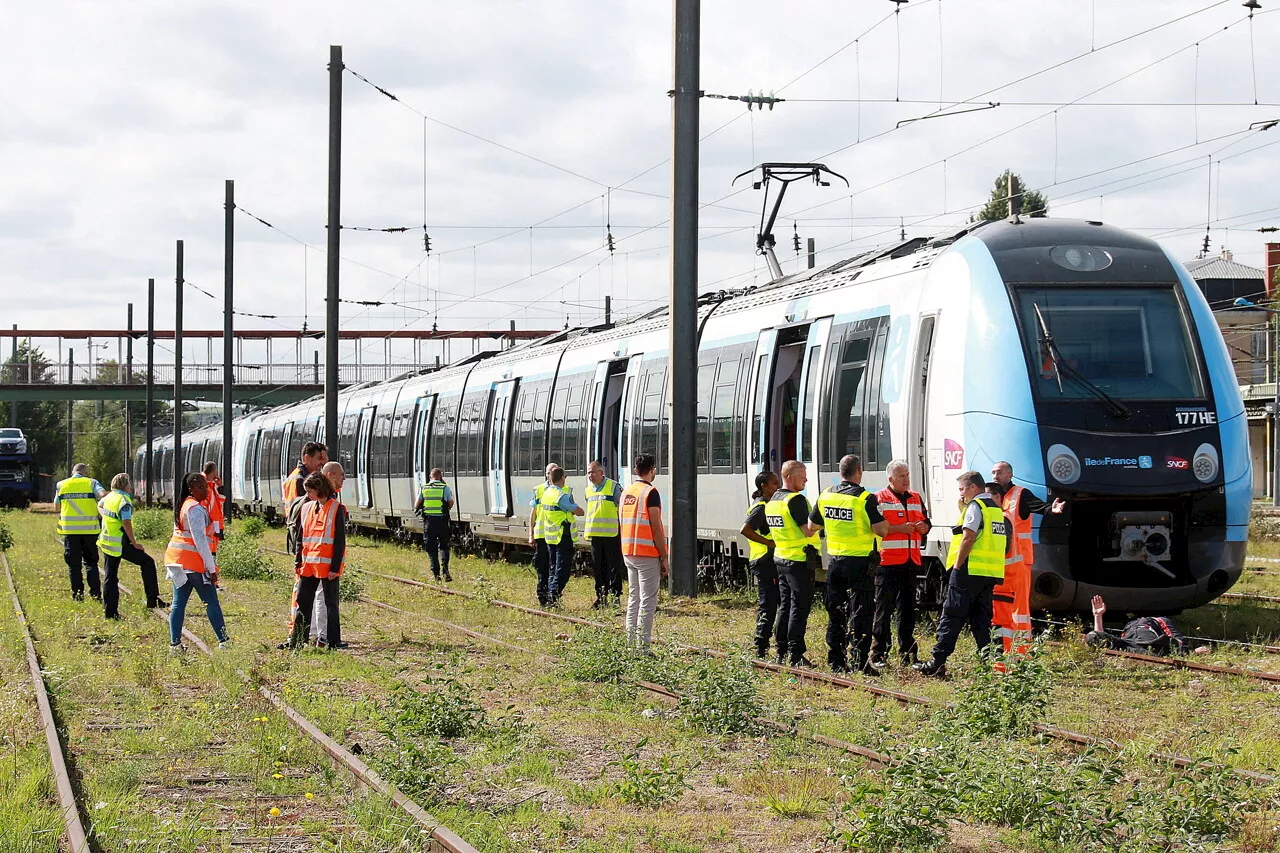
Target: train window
<point>878,442</point>
<point>740,409</point>
<point>404,419</point>
<point>444,434</point>
<point>814,368</point>
<point>722,432</point>
<point>705,391</point>
<point>380,446</point>
<point>651,416</point>
<point>1134,343</point>
<point>559,405</point>
<point>846,413</point>
<point>574,464</point>
<point>348,426</point>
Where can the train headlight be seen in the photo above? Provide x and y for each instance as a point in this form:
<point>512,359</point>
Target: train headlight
<point>1205,463</point>
<point>1080,258</point>
<point>1064,465</point>
<point>20,475</point>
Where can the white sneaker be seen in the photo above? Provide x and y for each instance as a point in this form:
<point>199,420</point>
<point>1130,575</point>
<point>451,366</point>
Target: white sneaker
<point>177,649</point>
<point>225,644</point>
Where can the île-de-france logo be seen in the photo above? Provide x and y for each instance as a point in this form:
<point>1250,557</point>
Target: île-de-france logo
<point>952,455</point>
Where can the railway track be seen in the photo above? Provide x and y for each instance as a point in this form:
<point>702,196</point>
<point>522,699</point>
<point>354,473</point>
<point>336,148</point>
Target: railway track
<point>1247,596</point>
<point>815,676</point>
<point>435,837</point>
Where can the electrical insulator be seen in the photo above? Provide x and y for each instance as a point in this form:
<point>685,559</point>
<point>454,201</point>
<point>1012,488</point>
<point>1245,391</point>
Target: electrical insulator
<point>795,237</point>
<point>1206,243</point>
<point>609,241</point>
<point>426,242</point>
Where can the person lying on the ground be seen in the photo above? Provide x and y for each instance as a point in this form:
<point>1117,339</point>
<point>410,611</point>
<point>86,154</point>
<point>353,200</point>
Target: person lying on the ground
<point>1146,635</point>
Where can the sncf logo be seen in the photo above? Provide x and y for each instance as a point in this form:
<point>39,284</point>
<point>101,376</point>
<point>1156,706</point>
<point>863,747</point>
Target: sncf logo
<point>629,500</point>
<point>952,455</point>
<point>1176,463</point>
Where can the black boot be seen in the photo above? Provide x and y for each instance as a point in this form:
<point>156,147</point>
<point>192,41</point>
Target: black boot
<point>932,668</point>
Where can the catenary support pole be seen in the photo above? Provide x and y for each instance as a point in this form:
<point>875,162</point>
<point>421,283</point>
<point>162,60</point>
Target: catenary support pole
<point>149,418</point>
<point>228,348</point>
<point>179,460</point>
<point>13,371</point>
<point>71,380</point>
<point>128,379</point>
<point>608,310</point>
<point>335,224</point>
<point>813,252</point>
<point>683,358</point>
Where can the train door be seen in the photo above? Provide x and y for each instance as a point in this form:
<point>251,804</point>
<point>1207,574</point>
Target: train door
<point>627,409</point>
<point>499,433</point>
<point>255,455</point>
<point>425,408</point>
<point>775,404</point>
<point>809,411</point>
<point>364,494</point>
<point>757,404</point>
<point>606,416</point>
<point>917,419</point>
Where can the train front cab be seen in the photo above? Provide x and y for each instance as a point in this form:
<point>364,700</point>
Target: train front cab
<point>1126,407</point>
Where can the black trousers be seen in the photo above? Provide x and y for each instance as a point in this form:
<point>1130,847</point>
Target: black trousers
<point>606,557</point>
<point>795,600</point>
<point>895,596</point>
<point>80,548</point>
<point>850,607</point>
<point>435,539</point>
<point>767,621</point>
<point>110,580</point>
<point>542,565</point>
<point>307,588</point>
<point>968,602</point>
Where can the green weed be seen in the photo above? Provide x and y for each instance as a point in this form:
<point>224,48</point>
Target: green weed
<point>239,559</point>
<point>152,523</point>
<point>598,655</point>
<point>720,697</point>
<point>6,536</point>
<point>445,710</point>
<point>251,527</point>
<point>647,784</point>
<point>350,587</point>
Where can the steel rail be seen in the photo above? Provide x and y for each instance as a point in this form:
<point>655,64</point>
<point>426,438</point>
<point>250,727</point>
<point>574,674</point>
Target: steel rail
<point>832,680</point>
<point>1248,596</point>
<point>77,838</point>
<point>442,837</point>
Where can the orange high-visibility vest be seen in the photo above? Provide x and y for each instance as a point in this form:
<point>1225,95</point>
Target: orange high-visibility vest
<point>899,548</point>
<point>318,523</point>
<point>182,546</point>
<point>637,534</point>
<point>292,486</point>
<point>214,503</point>
<point>1021,526</point>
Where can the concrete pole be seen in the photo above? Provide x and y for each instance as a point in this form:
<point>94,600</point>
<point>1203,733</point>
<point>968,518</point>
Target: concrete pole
<point>683,358</point>
<point>335,224</point>
<point>179,466</point>
<point>13,371</point>
<point>228,362</point>
<point>128,380</point>
<point>71,380</point>
<point>813,253</point>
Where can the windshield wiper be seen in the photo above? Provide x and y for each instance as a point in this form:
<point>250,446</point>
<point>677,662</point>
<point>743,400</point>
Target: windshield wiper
<point>1061,367</point>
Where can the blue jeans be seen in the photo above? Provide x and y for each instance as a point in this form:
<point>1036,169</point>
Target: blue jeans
<point>208,594</point>
<point>561,562</point>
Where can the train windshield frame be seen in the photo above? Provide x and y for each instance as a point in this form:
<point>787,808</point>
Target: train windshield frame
<point>1134,342</point>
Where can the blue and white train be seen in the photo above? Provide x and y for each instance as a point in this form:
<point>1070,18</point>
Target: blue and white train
<point>1082,354</point>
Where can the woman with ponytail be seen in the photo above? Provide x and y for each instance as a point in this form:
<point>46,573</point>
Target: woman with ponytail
<point>189,561</point>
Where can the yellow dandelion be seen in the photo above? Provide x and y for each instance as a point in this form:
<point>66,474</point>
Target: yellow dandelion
<point>276,776</point>
<point>310,796</point>
<point>275,812</point>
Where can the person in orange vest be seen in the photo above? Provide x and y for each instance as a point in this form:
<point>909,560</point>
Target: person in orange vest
<point>1020,504</point>
<point>900,565</point>
<point>189,561</point>
<point>324,549</point>
<point>314,455</point>
<point>215,505</point>
<point>644,551</point>
<point>1011,599</point>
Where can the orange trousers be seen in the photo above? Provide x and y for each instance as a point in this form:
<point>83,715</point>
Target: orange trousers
<point>1011,610</point>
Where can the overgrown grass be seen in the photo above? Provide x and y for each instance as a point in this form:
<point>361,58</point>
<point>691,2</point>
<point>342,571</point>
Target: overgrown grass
<point>6,535</point>
<point>152,524</point>
<point>240,559</point>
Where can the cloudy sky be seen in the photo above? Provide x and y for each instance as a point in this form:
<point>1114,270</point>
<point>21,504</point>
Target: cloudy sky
<point>523,128</point>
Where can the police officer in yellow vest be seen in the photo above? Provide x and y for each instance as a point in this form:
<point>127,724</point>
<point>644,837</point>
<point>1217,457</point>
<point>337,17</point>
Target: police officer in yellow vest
<point>77,501</point>
<point>556,510</point>
<point>435,502</point>
<point>755,529</point>
<point>603,532</point>
<point>795,554</point>
<point>850,516</point>
<point>118,543</point>
<point>541,556</point>
<point>979,545</point>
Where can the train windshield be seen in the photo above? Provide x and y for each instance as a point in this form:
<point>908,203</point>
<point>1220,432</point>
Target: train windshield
<point>1132,343</point>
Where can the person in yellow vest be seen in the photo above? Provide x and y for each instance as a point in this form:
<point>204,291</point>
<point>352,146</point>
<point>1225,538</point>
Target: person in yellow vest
<point>77,502</point>
<point>755,529</point>
<point>900,565</point>
<point>795,553</point>
<point>851,519</point>
<point>541,556</point>
<point>189,561</point>
<point>118,543</point>
<point>556,510</point>
<point>435,502</point>
<point>644,550</point>
<point>604,533</point>
<point>977,554</point>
